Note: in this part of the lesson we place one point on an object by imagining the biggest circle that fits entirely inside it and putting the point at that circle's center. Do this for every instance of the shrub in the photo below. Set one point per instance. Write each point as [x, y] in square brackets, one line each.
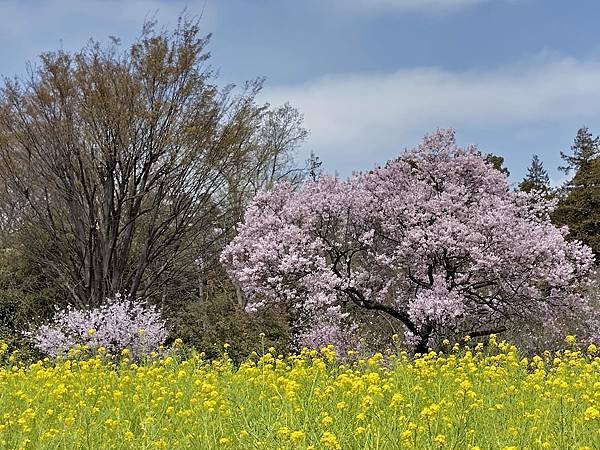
[213, 324]
[121, 323]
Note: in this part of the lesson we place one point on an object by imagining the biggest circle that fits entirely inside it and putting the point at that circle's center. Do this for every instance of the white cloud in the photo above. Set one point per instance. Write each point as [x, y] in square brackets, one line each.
[365, 116]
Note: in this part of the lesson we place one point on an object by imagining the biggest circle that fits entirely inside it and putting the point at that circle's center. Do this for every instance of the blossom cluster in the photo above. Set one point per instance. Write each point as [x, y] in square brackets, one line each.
[120, 323]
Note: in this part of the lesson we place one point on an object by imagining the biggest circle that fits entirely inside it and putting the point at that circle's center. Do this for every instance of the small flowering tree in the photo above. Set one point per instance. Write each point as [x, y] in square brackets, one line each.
[436, 240]
[121, 323]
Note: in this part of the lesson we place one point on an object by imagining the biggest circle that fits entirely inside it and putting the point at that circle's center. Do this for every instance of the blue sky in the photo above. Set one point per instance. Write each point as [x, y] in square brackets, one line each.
[516, 77]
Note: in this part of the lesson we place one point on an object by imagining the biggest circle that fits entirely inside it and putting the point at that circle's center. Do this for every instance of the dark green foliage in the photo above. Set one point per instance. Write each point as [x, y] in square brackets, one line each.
[26, 298]
[579, 209]
[579, 206]
[585, 148]
[537, 178]
[209, 324]
[497, 162]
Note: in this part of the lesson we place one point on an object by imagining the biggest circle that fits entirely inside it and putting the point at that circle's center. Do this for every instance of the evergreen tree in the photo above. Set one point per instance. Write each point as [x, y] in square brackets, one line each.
[537, 178]
[585, 148]
[579, 207]
[497, 163]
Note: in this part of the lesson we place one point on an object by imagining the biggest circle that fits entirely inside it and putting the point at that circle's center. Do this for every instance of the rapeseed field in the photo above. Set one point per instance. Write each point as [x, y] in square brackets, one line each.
[463, 397]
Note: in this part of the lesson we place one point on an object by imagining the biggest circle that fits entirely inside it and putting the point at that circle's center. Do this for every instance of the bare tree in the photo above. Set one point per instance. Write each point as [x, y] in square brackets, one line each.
[279, 133]
[271, 157]
[125, 159]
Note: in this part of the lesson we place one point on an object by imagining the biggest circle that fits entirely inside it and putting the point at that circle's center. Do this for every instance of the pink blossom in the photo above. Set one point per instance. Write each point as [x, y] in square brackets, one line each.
[118, 324]
[436, 239]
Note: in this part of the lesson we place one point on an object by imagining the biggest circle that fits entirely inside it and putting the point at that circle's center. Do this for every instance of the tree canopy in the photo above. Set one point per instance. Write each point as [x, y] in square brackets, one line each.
[435, 240]
[126, 167]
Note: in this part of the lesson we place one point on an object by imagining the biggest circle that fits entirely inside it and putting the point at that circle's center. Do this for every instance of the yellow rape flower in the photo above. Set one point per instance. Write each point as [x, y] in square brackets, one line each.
[591, 413]
[330, 440]
[570, 339]
[297, 436]
[440, 439]
[327, 420]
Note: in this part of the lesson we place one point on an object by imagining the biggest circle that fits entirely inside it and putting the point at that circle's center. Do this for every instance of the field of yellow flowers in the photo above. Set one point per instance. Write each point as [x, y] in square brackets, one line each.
[466, 397]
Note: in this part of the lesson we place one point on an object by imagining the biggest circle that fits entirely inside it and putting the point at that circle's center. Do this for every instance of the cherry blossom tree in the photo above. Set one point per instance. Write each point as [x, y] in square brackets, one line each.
[436, 240]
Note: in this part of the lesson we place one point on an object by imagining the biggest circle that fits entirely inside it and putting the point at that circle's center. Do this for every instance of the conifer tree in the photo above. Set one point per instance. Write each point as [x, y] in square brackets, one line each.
[579, 206]
[537, 178]
[497, 162]
[579, 209]
[584, 148]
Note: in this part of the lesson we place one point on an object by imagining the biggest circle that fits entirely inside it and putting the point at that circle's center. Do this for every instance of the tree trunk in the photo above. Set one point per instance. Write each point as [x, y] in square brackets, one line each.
[422, 346]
